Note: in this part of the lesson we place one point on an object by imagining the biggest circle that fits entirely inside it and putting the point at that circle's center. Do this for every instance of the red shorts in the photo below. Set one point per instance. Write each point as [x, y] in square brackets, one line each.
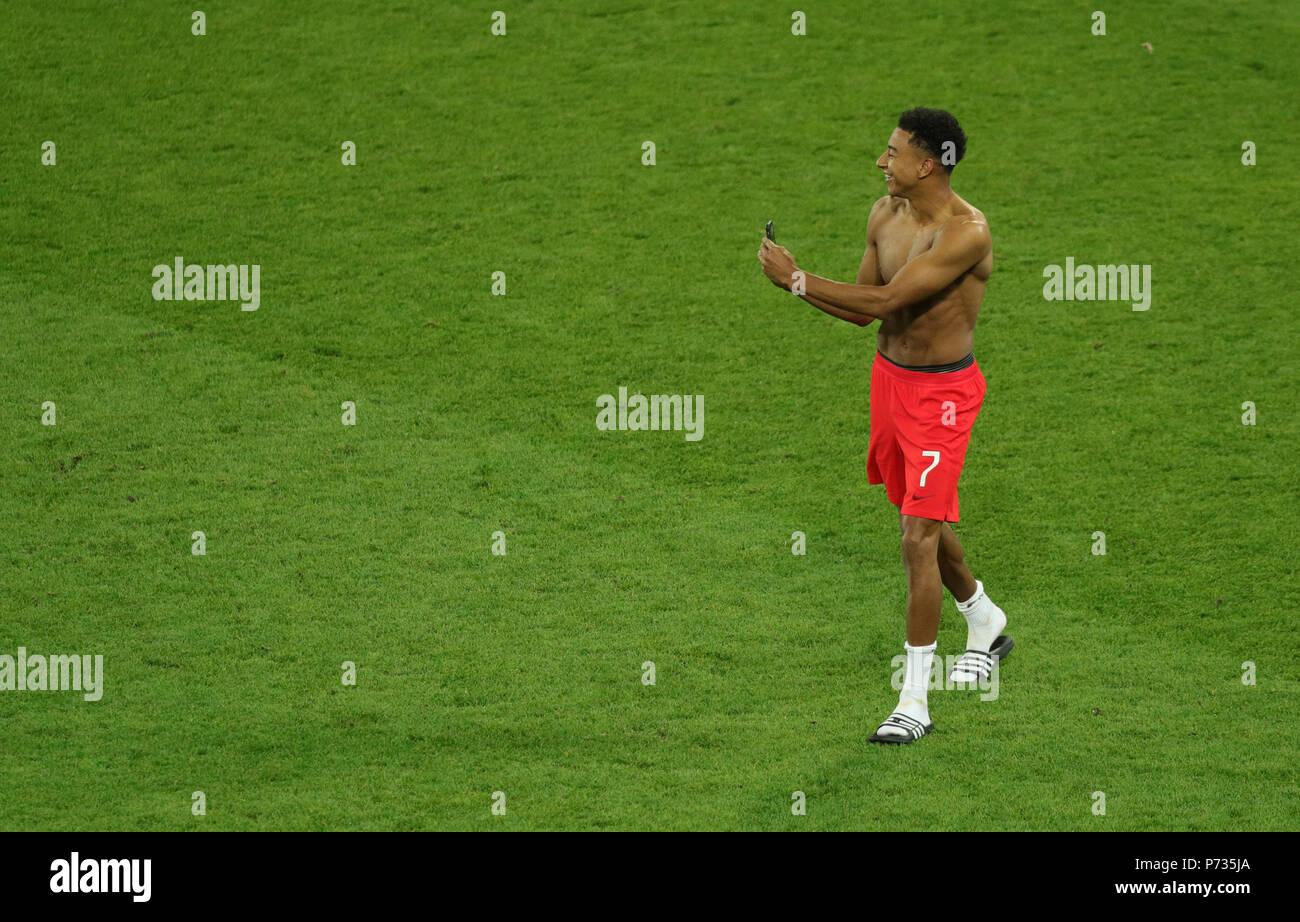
[920, 427]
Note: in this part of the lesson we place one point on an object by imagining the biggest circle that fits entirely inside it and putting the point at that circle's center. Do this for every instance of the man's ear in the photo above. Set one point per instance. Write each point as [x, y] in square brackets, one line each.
[926, 168]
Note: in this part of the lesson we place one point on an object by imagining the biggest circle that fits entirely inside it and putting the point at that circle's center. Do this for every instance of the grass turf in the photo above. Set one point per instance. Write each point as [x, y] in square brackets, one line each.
[522, 153]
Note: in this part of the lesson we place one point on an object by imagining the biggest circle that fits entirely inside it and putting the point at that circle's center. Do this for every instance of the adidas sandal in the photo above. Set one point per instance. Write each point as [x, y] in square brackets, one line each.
[977, 666]
[912, 729]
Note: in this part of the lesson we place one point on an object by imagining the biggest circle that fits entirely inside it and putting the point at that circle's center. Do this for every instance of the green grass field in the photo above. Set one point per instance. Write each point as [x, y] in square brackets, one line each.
[475, 413]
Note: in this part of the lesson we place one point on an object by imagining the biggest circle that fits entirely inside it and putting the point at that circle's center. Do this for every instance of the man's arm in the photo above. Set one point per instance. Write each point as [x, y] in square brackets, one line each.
[959, 247]
[861, 320]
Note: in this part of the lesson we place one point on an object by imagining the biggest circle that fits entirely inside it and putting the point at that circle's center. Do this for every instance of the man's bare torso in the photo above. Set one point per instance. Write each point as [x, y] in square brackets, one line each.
[941, 328]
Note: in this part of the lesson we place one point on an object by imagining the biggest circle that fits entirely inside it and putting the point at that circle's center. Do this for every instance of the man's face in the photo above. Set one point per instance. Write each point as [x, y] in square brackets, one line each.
[903, 164]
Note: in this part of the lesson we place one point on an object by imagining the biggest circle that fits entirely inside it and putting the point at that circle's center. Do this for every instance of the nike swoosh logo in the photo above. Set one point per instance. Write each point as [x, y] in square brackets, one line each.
[927, 496]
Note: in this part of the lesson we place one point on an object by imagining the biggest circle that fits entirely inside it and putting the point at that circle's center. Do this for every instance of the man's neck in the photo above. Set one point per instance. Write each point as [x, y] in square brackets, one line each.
[933, 204]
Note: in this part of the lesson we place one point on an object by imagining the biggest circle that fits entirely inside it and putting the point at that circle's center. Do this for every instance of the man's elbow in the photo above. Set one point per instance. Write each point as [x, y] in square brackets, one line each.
[880, 303]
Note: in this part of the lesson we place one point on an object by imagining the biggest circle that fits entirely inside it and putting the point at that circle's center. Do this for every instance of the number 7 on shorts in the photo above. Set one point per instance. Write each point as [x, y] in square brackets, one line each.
[931, 467]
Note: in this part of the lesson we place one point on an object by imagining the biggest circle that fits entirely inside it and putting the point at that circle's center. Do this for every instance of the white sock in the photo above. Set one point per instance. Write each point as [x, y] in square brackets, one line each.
[984, 620]
[912, 700]
[966, 607]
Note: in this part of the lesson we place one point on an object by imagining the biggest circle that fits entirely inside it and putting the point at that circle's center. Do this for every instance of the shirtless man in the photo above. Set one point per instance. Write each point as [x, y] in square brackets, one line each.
[923, 274]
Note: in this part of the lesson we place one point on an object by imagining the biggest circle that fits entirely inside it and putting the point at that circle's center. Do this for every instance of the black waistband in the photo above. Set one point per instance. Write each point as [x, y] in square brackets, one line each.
[958, 365]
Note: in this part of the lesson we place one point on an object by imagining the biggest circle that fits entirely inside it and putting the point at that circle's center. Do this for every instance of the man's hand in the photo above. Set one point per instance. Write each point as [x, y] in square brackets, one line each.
[778, 264]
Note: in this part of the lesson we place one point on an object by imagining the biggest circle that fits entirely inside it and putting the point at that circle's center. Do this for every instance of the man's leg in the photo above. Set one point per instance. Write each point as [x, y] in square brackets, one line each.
[924, 585]
[911, 719]
[953, 571]
[984, 620]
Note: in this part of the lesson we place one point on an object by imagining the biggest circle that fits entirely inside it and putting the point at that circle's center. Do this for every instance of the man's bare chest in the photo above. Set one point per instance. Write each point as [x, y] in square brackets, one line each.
[900, 242]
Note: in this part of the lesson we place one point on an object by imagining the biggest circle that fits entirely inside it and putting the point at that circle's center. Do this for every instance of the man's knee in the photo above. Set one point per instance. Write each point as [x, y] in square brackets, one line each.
[920, 537]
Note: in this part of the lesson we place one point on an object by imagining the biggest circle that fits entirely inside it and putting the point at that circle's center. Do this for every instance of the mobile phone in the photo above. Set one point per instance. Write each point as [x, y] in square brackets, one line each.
[770, 236]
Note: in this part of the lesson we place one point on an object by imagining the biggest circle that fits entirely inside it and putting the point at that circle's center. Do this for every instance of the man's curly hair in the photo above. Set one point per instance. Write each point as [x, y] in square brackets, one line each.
[930, 129]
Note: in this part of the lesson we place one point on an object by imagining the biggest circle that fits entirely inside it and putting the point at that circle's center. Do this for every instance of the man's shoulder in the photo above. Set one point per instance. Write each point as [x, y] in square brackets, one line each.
[966, 213]
[882, 210]
[966, 235]
[967, 223]
[887, 204]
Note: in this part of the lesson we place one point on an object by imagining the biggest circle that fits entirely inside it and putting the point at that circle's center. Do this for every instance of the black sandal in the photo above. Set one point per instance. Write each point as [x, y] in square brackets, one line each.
[979, 663]
[913, 729]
